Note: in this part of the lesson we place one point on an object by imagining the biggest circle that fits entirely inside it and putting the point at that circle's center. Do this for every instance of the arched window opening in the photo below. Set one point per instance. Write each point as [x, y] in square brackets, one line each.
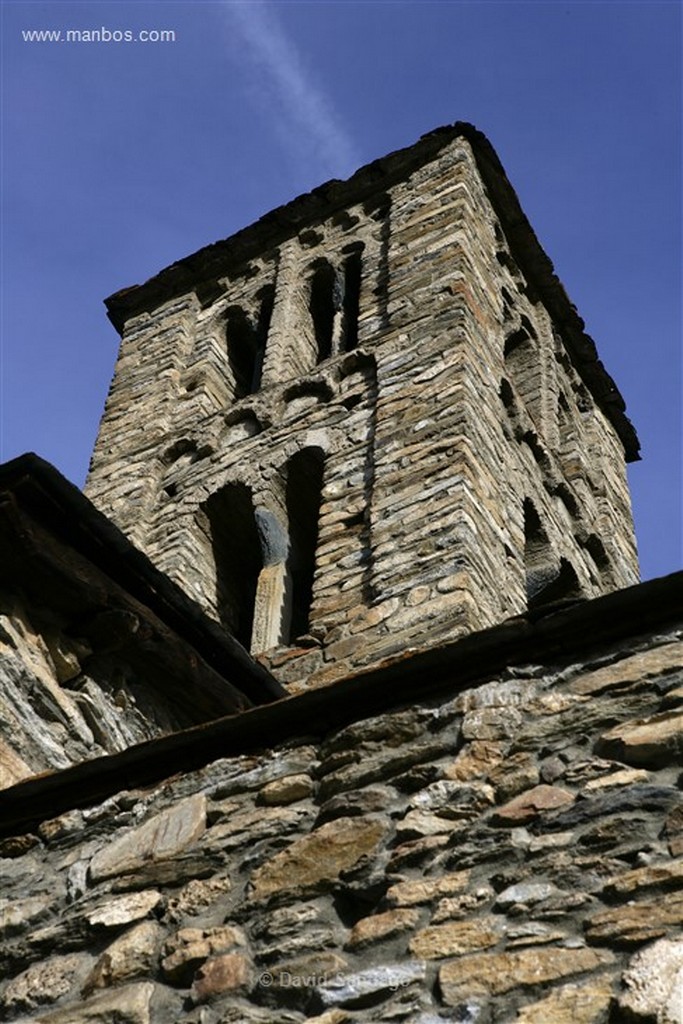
[237, 556]
[523, 367]
[303, 498]
[266, 297]
[244, 352]
[548, 578]
[247, 343]
[352, 278]
[538, 562]
[325, 300]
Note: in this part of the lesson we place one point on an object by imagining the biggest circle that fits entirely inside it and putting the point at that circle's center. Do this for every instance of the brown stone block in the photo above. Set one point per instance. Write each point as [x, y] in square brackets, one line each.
[190, 947]
[530, 804]
[584, 1003]
[475, 760]
[133, 955]
[314, 862]
[228, 973]
[497, 973]
[381, 926]
[653, 876]
[652, 742]
[673, 831]
[457, 937]
[635, 923]
[633, 669]
[127, 1004]
[287, 790]
[407, 894]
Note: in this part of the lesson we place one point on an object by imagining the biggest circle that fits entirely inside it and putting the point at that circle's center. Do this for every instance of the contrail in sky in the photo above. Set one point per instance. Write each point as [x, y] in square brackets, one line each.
[302, 115]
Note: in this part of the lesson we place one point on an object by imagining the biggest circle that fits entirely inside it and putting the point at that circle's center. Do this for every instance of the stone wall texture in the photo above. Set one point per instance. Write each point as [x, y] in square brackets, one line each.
[467, 467]
[509, 852]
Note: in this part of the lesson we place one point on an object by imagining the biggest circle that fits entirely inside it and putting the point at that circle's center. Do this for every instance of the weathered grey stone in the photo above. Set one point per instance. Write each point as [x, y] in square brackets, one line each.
[613, 802]
[124, 909]
[15, 915]
[350, 989]
[160, 838]
[668, 875]
[196, 897]
[631, 669]
[528, 893]
[370, 800]
[129, 1004]
[133, 955]
[654, 984]
[45, 982]
[248, 826]
[454, 800]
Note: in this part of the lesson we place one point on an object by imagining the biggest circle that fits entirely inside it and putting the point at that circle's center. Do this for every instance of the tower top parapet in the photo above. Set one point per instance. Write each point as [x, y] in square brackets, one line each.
[200, 269]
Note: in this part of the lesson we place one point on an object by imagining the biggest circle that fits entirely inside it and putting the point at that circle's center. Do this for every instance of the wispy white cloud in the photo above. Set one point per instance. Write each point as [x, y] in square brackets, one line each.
[301, 114]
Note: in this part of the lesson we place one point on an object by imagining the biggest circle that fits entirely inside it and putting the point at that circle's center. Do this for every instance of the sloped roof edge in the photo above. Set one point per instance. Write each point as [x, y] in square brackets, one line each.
[41, 490]
[213, 260]
[562, 634]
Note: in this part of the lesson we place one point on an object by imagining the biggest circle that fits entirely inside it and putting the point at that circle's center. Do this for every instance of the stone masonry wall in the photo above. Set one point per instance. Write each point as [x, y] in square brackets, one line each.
[466, 463]
[509, 853]
[60, 705]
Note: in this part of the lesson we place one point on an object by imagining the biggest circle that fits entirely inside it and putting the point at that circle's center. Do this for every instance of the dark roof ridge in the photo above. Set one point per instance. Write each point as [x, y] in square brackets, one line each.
[210, 261]
[589, 624]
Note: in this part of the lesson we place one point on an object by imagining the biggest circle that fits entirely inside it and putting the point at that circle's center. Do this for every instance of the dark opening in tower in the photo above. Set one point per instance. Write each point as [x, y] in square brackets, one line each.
[538, 560]
[238, 558]
[325, 300]
[246, 342]
[303, 497]
[351, 300]
[523, 366]
[549, 577]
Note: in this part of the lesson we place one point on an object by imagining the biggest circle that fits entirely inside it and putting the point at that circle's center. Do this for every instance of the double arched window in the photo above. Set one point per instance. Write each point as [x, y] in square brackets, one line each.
[264, 570]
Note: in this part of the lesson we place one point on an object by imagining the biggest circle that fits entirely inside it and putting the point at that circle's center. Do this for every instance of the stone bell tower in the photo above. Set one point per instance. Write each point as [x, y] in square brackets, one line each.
[371, 421]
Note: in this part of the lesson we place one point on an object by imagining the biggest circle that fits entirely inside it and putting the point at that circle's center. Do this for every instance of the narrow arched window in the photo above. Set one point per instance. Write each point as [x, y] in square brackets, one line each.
[303, 498]
[523, 366]
[549, 577]
[325, 300]
[246, 342]
[351, 300]
[538, 560]
[237, 557]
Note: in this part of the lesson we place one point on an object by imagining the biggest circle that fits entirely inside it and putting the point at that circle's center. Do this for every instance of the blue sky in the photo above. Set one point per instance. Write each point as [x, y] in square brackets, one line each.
[119, 158]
